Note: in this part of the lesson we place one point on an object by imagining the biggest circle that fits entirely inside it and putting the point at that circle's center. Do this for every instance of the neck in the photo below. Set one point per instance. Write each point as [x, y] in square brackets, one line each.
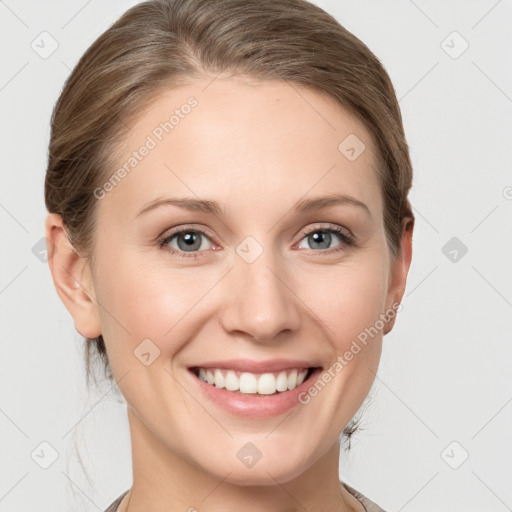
[164, 480]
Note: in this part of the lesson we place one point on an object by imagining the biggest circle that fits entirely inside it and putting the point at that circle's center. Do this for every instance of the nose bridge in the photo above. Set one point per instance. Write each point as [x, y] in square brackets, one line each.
[260, 303]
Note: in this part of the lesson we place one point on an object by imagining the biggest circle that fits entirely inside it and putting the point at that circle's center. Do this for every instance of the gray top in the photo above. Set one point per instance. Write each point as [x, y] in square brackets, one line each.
[369, 505]
[113, 506]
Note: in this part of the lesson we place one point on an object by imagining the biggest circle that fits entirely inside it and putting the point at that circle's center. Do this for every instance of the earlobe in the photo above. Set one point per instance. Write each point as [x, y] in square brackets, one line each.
[399, 272]
[72, 278]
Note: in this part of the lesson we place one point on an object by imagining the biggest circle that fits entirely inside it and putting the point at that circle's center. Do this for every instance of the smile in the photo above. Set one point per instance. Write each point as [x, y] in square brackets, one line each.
[267, 383]
[257, 389]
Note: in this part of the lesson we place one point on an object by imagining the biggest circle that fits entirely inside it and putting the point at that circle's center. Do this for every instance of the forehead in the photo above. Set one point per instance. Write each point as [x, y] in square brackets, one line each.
[254, 144]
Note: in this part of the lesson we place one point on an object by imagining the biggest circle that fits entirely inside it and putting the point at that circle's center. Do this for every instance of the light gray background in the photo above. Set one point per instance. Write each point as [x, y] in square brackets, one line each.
[446, 366]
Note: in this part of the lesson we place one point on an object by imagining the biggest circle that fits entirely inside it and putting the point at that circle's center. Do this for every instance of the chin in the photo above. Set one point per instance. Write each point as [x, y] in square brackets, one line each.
[278, 467]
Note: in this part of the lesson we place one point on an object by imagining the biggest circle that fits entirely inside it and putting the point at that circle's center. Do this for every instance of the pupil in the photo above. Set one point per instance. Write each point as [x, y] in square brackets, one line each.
[321, 238]
[190, 240]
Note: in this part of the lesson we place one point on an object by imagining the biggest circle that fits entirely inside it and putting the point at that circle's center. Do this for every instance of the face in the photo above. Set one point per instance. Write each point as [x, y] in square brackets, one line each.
[218, 258]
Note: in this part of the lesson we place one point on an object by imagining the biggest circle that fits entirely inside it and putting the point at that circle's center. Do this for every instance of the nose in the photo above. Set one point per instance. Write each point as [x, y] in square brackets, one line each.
[259, 300]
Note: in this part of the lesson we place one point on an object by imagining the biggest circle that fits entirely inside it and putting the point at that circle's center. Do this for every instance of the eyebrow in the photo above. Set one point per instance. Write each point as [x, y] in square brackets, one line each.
[212, 207]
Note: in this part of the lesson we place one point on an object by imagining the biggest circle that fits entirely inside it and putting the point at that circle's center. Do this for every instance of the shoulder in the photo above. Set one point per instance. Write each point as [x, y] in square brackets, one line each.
[369, 505]
[113, 506]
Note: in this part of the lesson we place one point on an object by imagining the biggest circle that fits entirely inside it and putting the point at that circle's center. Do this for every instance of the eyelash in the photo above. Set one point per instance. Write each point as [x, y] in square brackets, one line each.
[346, 239]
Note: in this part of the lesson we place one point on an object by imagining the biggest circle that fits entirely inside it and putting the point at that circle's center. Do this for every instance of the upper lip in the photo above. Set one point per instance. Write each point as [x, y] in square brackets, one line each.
[248, 365]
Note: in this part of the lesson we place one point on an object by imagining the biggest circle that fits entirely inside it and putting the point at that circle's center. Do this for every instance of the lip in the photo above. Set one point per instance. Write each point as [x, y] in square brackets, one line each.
[254, 405]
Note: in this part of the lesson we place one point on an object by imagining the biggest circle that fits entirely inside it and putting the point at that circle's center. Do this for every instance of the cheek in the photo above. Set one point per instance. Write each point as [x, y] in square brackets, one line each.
[153, 302]
[346, 299]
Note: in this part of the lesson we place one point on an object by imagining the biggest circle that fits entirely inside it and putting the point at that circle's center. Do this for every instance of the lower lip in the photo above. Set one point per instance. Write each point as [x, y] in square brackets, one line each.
[253, 404]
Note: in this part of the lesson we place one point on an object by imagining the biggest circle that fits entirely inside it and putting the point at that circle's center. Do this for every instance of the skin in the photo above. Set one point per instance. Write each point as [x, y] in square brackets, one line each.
[256, 148]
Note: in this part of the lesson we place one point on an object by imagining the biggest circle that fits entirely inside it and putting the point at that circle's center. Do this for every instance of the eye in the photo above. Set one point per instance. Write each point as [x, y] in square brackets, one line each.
[185, 240]
[189, 243]
[321, 238]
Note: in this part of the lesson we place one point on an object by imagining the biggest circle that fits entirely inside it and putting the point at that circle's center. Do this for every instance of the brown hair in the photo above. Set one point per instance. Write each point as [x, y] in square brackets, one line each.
[159, 44]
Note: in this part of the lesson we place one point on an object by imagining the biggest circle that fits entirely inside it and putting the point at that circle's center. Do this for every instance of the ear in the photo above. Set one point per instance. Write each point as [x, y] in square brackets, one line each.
[72, 278]
[399, 270]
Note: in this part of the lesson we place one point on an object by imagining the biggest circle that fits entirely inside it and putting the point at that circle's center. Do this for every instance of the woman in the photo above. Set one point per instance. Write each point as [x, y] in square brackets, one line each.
[230, 230]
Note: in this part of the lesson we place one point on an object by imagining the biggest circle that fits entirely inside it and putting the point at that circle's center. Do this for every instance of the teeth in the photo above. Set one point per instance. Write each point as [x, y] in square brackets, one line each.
[248, 383]
[231, 381]
[292, 380]
[252, 383]
[282, 382]
[267, 384]
[219, 379]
